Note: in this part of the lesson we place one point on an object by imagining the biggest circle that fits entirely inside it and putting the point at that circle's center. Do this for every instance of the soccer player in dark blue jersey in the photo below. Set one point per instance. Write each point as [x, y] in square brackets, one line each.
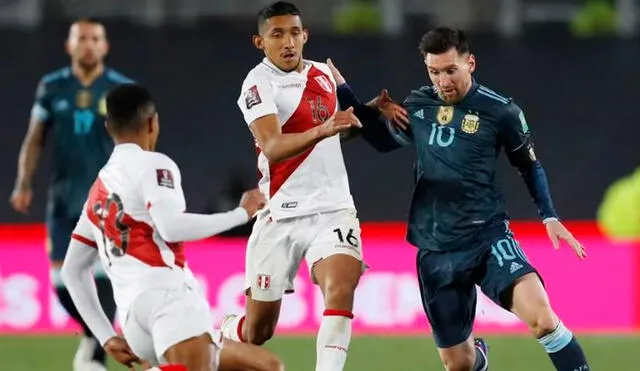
[457, 217]
[70, 103]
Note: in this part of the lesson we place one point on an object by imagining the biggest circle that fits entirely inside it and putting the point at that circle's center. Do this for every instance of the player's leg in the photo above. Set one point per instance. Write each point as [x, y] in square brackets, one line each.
[512, 282]
[271, 265]
[236, 356]
[449, 300]
[335, 258]
[59, 231]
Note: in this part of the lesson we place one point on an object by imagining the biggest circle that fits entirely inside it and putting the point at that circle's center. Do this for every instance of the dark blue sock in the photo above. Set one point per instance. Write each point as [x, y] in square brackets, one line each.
[564, 350]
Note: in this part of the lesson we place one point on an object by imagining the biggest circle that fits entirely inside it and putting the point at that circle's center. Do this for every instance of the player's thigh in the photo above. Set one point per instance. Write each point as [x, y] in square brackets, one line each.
[335, 255]
[448, 296]
[59, 230]
[183, 315]
[505, 263]
[137, 330]
[271, 260]
[236, 356]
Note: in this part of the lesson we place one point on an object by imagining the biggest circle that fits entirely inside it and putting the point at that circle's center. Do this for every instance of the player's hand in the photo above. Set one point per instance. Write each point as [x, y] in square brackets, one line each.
[21, 200]
[252, 201]
[390, 109]
[336, 73]
[557, 232]
[118, 348]
[340, 121]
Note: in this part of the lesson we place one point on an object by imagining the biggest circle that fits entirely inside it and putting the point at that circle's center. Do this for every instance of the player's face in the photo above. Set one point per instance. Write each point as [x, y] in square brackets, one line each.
[451, 73]
[282, 38]
[87, 44]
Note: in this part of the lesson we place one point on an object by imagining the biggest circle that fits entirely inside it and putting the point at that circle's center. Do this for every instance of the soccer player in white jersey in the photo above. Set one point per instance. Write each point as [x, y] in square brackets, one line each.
[290, 106]
[134, 220]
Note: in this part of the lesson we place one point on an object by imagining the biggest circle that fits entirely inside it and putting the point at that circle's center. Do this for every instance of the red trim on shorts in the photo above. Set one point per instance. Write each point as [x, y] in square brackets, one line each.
[173, 368]
[84, 240]
[240, 324]
[336, 312]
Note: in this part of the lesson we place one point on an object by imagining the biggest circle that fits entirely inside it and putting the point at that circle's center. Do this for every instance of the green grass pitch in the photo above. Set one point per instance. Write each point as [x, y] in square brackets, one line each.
[512, 353]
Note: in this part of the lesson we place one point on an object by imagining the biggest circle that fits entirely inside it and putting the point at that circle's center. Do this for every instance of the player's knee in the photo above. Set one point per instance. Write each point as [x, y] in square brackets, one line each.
[544, 322]
[339, 294]
[259, 335]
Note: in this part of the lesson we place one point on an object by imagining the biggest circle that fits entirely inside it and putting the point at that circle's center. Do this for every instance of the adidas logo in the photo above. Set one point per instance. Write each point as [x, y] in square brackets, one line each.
[515, 266]
[419, 114]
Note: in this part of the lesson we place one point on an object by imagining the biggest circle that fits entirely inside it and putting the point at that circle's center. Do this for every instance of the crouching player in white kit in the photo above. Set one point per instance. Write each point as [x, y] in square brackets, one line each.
[290, 106]
[134, 220]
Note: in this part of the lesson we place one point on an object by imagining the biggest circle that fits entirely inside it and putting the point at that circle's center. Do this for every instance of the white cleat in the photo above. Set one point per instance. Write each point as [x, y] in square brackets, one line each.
[226, 325]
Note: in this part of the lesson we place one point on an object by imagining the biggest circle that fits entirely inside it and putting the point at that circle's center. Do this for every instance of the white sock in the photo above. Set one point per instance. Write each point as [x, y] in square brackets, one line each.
[233, 329]
[333, 340]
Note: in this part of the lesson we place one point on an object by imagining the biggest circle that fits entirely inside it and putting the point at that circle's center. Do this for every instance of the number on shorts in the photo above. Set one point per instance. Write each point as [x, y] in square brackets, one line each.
[115, 233]
[507, 249]
[351, 239]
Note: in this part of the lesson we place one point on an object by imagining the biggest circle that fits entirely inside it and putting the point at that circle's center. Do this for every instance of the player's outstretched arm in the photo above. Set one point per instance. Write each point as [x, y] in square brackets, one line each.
[161, 189]
[30, 150]
[516, 138]
[78, 278]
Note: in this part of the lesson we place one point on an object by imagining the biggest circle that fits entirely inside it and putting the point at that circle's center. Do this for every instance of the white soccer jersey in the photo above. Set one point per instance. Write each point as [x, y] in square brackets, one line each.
[316, 180]
[133, 209]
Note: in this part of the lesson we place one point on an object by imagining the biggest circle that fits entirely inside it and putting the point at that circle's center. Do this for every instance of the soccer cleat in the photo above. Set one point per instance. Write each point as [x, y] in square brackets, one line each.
[226, 325]
[483, 347]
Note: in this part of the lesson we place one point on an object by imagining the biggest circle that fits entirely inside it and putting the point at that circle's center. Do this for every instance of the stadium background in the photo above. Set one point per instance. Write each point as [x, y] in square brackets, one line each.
[571, 66]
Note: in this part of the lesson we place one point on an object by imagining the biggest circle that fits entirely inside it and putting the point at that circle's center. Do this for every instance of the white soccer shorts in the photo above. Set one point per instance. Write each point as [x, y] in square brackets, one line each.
[276, 248]
[161, 318]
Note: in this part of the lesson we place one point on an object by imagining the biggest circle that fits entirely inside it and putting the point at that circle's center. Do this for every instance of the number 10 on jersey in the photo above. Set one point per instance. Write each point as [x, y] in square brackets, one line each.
[115, 233]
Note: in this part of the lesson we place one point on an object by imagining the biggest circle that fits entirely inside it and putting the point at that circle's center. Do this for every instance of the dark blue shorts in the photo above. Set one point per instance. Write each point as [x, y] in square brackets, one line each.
[59, 229]
[448, 278]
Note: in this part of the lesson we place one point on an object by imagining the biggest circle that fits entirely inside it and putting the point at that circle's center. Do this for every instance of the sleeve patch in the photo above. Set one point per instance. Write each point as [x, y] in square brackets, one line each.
[252, 97]
[165, 178]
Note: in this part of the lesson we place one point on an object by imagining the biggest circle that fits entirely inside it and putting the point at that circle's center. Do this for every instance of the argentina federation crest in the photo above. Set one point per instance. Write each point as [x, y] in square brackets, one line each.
[470, 124]
[83, 98]
[102, 106]
[445, 115]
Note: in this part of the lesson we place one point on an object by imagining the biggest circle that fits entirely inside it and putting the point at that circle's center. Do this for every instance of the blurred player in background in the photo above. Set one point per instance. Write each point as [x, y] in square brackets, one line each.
[134, 220]
[457, 216]
[70, 102]
[291, 108]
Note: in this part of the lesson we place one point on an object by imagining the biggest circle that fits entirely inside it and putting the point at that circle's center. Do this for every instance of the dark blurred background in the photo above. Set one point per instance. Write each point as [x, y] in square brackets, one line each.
[571, 65]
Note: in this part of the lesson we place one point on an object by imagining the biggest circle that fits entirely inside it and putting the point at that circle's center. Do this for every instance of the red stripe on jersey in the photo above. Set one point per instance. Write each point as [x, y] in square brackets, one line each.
[317, 104]
[84, 240]
[135, 238]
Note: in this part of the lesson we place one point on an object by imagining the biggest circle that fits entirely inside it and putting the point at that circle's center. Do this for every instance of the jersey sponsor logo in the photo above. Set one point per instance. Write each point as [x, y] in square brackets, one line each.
[83, 98]
[263, 281]
[165, 178]
[61, 105]
[252, 97]
[289, 205]
[470, 124]
[445, 115]
[324, 83]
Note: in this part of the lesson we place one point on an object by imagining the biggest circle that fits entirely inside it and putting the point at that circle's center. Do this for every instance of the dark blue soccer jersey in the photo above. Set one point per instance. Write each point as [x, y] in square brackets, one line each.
[75, 115]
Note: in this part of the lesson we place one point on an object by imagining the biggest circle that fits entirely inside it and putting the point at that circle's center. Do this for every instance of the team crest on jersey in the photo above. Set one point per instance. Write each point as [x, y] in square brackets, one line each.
[83, 98]
[264, 281]
[165, 178]
[470, 124]
[102, 106]
[252, 97]
[445, 115]
[324, 83]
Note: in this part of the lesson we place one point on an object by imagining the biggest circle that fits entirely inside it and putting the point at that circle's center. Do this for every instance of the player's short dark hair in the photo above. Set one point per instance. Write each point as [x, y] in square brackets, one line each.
[442, 39]
[276, 9]
[128, 108]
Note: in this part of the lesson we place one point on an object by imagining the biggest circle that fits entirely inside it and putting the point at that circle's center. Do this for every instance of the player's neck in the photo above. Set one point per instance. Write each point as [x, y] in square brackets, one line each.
[85, 76]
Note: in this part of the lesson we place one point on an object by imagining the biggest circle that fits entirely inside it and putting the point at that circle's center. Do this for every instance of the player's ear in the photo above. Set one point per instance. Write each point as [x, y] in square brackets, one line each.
[305, 35]
[258, 42]
[471, 61]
